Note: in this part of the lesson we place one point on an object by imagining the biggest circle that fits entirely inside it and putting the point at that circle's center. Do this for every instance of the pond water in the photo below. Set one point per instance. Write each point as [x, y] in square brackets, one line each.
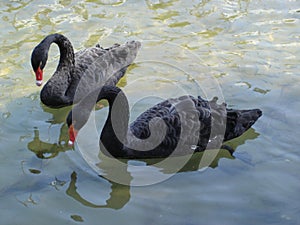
[245, 52]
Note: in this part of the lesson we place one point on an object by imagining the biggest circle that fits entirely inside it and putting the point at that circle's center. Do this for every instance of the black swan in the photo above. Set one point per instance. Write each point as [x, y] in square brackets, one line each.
[79, 73]
[185, 124]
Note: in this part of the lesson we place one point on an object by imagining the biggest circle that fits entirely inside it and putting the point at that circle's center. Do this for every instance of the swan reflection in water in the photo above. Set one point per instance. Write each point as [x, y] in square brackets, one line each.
[119, 193]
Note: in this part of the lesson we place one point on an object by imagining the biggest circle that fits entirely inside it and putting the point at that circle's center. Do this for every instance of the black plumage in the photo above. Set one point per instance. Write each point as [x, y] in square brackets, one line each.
[79, 73]
[177, 126]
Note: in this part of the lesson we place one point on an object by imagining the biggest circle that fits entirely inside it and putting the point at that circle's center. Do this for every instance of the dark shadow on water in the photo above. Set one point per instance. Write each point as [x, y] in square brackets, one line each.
[45, 150]
[58, 115]
[119, 193]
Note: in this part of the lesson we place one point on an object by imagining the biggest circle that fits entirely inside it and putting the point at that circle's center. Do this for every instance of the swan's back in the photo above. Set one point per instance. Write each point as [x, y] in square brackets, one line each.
[186, 119]
[98, 66]
[189, 124]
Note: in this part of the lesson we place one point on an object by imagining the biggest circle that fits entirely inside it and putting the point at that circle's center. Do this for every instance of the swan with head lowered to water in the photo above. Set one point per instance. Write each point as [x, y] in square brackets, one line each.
[176, 126]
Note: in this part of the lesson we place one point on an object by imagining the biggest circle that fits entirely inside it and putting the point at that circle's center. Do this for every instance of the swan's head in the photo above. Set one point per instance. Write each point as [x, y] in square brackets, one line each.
[72, 130]
[72, 135]
[39, 58]
[75, 124]
[80, 113]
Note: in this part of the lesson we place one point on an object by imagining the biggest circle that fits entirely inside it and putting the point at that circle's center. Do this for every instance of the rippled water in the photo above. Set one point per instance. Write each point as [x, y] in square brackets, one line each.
[244, 52]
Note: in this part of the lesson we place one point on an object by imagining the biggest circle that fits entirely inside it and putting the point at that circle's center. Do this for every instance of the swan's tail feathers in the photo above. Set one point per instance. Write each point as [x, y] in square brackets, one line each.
[130, 50]
[239, 121]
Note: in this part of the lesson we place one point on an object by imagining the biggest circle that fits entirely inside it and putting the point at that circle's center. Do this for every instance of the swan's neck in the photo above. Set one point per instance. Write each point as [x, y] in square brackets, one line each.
[114, 132]
[66, 52]
[54, 91]
[65, 49]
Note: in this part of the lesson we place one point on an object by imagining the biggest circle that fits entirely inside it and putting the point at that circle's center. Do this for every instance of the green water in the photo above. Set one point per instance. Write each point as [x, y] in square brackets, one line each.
[244, 52]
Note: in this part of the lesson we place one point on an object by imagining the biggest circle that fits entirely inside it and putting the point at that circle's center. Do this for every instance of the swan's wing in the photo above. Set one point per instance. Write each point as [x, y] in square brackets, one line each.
[85, 58]
[98, 66]
[192, 125]
[185, 118]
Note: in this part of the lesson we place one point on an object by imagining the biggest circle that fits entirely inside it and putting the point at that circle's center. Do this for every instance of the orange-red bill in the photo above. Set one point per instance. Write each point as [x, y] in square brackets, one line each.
[72, 134]
[39, 76]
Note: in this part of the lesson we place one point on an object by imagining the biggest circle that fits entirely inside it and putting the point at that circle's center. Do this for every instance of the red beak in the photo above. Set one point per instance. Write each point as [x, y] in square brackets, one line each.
[72, 135]
[39, 76]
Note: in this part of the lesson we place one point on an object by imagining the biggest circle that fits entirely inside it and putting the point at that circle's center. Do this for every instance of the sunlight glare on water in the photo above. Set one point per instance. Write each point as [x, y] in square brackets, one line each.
[244, 52]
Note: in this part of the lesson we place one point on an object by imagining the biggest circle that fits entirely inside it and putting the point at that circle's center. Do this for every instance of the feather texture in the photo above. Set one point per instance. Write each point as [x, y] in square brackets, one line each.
[80, 73]
[176, 126]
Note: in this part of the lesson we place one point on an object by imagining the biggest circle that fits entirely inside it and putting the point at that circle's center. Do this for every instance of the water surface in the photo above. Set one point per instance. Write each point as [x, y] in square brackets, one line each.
[245, 52]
